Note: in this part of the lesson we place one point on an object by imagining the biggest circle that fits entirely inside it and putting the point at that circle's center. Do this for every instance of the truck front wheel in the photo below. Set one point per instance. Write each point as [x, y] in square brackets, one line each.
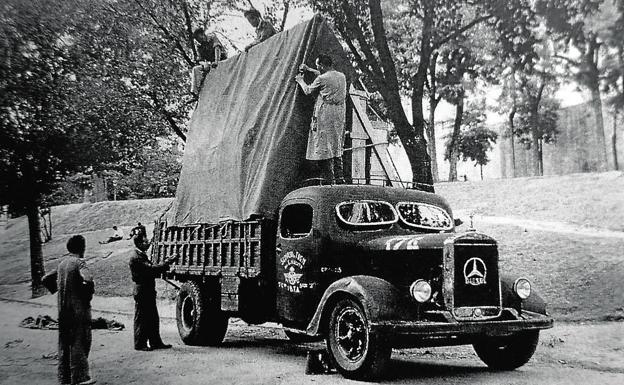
[199, 316]
[356, 351]
[507, 353]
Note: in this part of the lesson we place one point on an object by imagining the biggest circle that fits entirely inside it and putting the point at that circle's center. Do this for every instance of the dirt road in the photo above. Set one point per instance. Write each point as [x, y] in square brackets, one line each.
[568, 354]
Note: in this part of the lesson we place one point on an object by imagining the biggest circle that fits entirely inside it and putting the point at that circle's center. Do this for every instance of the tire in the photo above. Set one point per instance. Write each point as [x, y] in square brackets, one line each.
[507, 353]
[356, 351]
[300, 338]
[199, 316]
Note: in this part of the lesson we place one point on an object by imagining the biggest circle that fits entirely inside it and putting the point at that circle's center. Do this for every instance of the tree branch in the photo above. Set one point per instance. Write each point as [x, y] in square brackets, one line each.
[285, 15]
[463, 29]
[167, 34]
[381, 44]
[362, 64]
[166, 114]
[567, 59]
[355, 27]
[189, 27]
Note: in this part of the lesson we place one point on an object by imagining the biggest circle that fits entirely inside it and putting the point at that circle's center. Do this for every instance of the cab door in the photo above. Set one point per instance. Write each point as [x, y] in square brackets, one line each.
[297, 257]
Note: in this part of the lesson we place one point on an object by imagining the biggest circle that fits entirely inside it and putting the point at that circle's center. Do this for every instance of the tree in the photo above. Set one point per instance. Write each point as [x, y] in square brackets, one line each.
[536, 116]
[614, 69]
[57, 113]
[432, 24]
[579, 26]
[474, 139]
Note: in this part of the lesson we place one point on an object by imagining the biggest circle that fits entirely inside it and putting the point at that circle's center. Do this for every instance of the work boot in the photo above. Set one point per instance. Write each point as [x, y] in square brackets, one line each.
[87, 382]
[144, 349]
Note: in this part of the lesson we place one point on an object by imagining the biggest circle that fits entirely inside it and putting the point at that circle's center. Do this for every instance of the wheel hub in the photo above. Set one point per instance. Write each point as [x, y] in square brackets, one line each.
[188, 313]
[351, 334]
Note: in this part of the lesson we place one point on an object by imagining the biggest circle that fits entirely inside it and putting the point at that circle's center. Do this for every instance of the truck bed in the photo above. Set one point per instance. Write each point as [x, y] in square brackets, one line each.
[229, 248]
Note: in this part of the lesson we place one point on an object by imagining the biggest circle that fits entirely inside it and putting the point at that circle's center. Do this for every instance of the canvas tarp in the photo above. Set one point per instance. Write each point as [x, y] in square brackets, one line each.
[247, 137]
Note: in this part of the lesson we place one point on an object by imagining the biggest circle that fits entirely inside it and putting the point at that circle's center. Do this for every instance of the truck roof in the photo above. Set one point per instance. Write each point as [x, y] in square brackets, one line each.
[334, 194]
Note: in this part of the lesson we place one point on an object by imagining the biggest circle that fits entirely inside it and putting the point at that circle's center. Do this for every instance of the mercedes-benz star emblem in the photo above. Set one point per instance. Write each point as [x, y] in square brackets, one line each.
[475, 272]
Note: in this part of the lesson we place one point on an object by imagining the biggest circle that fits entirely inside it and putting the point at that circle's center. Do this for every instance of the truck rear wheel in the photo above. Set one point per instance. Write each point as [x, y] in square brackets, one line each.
[507, 353]
[356, 351]
[199, 316]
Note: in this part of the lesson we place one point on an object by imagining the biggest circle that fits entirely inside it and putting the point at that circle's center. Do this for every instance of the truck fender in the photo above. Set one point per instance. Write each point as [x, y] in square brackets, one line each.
[534, 303]
[379, 298]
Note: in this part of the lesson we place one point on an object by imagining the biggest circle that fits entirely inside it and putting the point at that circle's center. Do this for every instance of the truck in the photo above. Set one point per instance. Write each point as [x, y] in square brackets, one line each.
[366, 266]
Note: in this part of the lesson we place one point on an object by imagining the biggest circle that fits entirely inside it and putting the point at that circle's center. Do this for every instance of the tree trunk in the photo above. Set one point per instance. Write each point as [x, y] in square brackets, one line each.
[535, 152]
[600, 134]
[589, 67]
[481, 170]
[512, 137]
[383, 72]
[37, 269]
[431, 144]
[616, 166]
[512, 115]
[433, 104]
[459, 114]
[421, 163]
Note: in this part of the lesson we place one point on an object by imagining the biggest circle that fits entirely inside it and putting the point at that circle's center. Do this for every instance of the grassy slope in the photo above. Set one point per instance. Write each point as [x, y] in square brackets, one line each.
[595, 200]
[580, 277]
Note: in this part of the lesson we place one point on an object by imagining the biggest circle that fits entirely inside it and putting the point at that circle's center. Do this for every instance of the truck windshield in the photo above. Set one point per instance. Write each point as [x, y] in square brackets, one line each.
[366, 213]
[424, 216]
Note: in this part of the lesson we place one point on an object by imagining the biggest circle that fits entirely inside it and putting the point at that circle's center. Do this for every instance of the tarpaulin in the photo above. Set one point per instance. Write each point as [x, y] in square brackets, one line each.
[248, 134]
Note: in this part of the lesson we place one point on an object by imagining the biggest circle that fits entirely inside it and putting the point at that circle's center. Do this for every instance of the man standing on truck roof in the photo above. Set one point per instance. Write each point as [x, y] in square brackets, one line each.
[326, 138]
[264, 29]
[146, 321]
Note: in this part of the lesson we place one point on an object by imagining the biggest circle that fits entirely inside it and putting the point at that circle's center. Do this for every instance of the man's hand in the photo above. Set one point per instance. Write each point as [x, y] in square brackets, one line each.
[299, 78]
[304, 67]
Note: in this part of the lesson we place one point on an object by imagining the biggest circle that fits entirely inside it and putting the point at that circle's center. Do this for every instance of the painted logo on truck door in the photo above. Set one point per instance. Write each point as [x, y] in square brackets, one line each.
[293, 264]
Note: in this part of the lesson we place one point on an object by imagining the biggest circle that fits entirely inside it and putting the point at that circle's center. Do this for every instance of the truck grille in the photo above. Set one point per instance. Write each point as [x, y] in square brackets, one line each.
[472, 280]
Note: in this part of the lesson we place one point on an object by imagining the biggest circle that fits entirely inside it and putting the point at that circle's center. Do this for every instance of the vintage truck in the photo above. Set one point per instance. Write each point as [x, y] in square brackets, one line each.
[366, 267]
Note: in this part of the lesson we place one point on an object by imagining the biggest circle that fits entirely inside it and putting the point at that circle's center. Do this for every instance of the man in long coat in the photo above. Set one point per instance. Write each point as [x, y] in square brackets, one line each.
[75, 290]
[146, 320]
[326, 137]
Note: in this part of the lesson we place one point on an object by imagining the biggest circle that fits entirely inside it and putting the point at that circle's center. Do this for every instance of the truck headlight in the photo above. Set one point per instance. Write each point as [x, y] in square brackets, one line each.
[522, 288]
[421, 290]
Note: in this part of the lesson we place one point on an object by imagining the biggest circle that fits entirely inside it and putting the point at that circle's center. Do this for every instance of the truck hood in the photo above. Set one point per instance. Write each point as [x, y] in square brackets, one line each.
[421, 241]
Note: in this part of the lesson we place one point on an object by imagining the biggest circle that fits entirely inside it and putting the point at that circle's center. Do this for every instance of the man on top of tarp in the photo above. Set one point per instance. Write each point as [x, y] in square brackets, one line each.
[209, 50]
[264, 29]
[326, 137]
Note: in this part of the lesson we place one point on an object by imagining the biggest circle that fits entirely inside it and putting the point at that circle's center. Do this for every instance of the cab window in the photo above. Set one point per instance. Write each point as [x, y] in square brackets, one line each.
[424, 216]
[296, 221]
[366, 213]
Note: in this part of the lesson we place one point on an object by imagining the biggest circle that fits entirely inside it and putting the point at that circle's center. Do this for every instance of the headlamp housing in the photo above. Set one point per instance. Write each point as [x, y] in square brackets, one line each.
[420, 290]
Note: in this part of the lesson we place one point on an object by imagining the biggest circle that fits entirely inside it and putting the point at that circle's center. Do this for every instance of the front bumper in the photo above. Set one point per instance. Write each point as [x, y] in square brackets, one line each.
[425, 333]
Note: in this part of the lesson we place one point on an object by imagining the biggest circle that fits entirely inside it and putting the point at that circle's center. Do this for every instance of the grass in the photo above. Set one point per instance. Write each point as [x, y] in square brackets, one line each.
[580, 277]
[595, 199]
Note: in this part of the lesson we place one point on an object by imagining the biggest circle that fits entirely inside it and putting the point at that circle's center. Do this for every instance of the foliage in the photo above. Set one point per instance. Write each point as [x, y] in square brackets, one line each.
[154, 175]
[614, 61]
[57, 115]
[475, 139]
[536, 116]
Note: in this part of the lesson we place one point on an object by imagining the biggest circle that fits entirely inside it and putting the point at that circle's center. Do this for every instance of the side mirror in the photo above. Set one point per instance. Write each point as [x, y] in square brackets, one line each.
[458, 222]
